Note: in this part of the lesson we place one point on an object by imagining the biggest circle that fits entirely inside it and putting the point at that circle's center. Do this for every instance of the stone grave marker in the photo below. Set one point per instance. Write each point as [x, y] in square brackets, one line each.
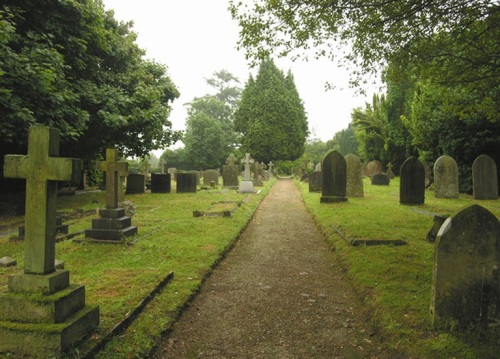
[315, 181]
[428, 173]
[354, 176]
[381, 179]
[136, 183]
[173, 173]
[24, 318]
[446, 177]
[373, 168]
[270, 167]
[412, 183]
[334, 178]
[390, 173]
[484, 178]
[466, 285]
[160, 183]
[113, 224]
[246, 185]
[256, 171]
[210, 176]
[230, 173]
[186, 182]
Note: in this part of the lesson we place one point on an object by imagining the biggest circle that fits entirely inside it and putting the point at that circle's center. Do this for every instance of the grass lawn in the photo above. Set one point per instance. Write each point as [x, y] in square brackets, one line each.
[395, 281]
[119, 277]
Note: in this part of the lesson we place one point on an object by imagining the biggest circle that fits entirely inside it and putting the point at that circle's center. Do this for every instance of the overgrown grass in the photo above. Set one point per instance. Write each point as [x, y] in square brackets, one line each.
[395, 281]
[118, 277]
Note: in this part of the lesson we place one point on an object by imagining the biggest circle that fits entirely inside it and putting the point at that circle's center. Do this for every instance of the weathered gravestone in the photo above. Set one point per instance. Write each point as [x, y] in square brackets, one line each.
[354, 167]
[186, 182]
[380, 179]
[113, 224]
[41, 314]
[466, 282]
[257, 179]
[446, 177]
[334, 178]
[160, 183]
[373, 168]
[246, 185]
[210, 176]
[412, 182]
[270, 167]
[136, 183]
[484, 178]
[230, 173]
[315, 180]
[390, 173]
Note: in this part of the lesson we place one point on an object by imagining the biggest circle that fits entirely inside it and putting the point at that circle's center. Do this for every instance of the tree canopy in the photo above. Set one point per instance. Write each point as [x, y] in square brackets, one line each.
[271, 116]
[70, 65]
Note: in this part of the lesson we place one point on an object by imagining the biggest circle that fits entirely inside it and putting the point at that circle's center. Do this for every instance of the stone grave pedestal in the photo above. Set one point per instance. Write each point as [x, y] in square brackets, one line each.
[113, 225]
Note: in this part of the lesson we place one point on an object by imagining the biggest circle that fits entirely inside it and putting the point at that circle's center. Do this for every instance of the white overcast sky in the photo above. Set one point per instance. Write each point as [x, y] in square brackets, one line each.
[195, 38]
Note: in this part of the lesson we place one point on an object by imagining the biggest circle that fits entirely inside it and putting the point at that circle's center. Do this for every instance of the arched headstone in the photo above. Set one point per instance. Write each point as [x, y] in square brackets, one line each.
[412, 182]
[484, 178]
[446, 177]
[334, 184]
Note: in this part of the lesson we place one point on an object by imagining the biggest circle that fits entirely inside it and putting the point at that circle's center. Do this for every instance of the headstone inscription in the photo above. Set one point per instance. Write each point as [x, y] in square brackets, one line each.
[186, 182]
[113, 224]
[246, 185]
[354, 176]
[160, 183]
[24, 318]
[465, 285]
[334, 178]
[412, 185]
[446, 177]
[484, 178]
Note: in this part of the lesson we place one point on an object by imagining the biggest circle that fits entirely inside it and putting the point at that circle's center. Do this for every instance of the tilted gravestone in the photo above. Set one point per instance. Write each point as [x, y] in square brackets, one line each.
[210, 176]
[28, 325]
[354, 176]
[412, 182]
[446, 177]
[186, 182]
[160, 183]
[484, 178]
[381, 179]
[334, 178]
[466, 283]
[113, 225]
[373, 168]
[246, 186]
[136, 183]
[315, 180]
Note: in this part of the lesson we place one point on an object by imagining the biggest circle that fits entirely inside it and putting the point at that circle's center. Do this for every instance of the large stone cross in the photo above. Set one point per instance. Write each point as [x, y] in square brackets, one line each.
[114, 169]
[42, 169]
[247, 160]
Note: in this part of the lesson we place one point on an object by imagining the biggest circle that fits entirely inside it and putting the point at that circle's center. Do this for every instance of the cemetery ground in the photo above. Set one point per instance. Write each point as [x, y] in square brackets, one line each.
[392, 282]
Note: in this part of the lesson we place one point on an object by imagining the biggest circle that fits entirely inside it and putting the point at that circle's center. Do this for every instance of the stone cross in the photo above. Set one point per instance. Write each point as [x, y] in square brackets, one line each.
[231, 160]
[42, 169]
[270, 166]
[114, 169]
[247, 160]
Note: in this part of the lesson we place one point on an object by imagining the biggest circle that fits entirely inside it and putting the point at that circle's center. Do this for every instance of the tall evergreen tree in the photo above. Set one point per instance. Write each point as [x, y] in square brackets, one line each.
[271, 116]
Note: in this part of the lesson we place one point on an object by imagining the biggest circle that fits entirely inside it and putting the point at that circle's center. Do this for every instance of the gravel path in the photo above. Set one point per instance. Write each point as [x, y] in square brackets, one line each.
[278, 294]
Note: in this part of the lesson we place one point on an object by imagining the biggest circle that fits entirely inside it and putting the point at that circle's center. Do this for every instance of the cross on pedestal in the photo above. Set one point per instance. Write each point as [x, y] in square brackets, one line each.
[247, 160]
[42, 169]
[114, 169]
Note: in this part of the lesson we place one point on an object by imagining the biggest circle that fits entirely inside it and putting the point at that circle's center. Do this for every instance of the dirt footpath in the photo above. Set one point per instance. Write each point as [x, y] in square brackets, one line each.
[278, 294]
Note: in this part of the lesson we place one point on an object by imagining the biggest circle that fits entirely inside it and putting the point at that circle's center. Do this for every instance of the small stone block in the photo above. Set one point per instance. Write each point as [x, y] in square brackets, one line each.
[112, 212]
[7, 262]
[37, 283]
[111, 223]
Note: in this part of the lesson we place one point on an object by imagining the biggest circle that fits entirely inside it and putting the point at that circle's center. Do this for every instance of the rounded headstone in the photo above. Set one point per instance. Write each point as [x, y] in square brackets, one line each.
[484, 178]
[334, 180]
[446, 177]
[412, 182]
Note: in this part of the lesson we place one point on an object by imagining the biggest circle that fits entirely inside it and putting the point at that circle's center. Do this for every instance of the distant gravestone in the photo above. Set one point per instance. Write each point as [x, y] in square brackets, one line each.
[136, 183]
[465, 285]
[428, 173]
[390, 172]
[317, 168]
[354, 176]
[446, 177]
[381, 179]
[373, 168]
[210, 176]
[41, 296]
[315, 181]
[172, 171]
[484, 178]
[270, 167]
[246, 186]
[160, 183]
[412, 182]
[334, 178]
[230, 173]
[186, 183]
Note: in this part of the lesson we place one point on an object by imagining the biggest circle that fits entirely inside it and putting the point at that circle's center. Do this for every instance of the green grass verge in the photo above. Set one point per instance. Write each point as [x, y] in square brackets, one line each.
[118, 277]
[394, 282]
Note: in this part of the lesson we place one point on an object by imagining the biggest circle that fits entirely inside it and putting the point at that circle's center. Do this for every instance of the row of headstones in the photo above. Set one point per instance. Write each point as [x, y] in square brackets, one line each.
[342, 177]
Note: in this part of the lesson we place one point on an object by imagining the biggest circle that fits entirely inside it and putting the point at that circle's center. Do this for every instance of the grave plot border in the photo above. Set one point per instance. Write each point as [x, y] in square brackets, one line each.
[225, 213]
[354, 242]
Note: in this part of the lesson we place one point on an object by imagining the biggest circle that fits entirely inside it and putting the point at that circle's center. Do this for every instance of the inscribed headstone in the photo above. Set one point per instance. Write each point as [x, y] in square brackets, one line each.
[334, 184]
[136, 183]
[484, 178]
[354, 176]
[446, 177]
[160, 183]
[186, 182]
[466, 284]
[210, 176]
[412, 182]
[230, 173]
